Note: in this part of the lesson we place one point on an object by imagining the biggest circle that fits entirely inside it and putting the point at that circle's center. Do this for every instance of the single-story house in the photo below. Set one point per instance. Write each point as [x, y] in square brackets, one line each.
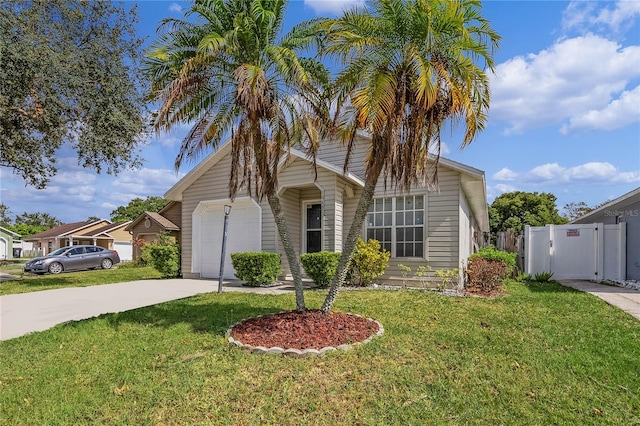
[149, 225]
[440, 228]
[7, 238]
[623, 209]
[101, 233]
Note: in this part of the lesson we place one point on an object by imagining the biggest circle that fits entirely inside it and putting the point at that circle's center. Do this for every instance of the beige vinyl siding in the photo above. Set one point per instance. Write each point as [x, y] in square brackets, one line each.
[334, 152]
[441, 227]
[465, 230]
[212, 185]
[290, 202]
[174, 214]
[120, 235]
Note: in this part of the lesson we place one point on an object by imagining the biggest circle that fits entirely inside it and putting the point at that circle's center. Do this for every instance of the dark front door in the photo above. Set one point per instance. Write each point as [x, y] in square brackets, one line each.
[314, 228]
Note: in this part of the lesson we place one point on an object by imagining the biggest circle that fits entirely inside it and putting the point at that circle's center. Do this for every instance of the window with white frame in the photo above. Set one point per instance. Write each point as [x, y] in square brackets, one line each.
[398, 223]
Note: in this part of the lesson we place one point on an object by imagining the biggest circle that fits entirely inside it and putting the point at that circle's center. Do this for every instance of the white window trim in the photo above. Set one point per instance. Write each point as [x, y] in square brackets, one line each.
[393, 227]
[303, 212]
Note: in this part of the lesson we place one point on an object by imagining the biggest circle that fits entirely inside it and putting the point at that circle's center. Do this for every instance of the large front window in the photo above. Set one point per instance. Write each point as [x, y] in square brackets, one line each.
[398, 223]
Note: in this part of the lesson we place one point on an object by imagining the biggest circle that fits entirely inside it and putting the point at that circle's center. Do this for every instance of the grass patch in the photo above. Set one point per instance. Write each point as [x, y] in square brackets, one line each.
[30, 282]
[543, 354]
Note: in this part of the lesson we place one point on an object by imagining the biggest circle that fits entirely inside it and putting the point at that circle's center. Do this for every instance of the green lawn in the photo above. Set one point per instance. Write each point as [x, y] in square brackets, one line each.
[542, 355]
[30, 282]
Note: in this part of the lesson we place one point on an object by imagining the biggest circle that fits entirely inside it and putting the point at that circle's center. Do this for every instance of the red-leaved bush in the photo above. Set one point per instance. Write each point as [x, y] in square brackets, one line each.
[486, 276]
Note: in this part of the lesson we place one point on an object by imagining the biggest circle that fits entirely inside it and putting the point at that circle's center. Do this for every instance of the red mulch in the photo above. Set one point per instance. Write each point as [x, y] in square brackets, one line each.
[310, 329]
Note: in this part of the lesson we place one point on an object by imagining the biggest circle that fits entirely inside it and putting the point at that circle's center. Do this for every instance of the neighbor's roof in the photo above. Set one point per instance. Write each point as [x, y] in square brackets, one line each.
[156, 217]
[105, 229]
[628, 198]
[7, 231]
[63, 230]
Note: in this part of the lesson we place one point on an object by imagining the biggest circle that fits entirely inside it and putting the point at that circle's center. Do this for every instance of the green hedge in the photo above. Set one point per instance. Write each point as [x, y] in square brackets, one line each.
[257, 268]
[490, 253]
[320, 266]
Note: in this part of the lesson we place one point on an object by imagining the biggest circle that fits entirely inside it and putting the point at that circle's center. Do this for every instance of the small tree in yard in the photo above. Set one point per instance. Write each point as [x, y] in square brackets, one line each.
[163, 255]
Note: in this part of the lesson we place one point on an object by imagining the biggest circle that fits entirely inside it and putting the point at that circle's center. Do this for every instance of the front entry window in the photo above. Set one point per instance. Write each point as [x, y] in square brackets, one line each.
[313, 227]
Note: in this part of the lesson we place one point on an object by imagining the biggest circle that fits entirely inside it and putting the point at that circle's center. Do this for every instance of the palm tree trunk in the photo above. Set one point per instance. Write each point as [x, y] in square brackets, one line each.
[292, 257]
[350, 244]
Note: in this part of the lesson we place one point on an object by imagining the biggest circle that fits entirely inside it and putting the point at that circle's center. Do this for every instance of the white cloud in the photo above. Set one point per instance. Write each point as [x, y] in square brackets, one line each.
[584, 15]
[80, 193]
[146, 182]
[619, 113]
[594, 172]
[565, 82]
[496, 190]
[175, 7]
[109, 206]
[72, 178]
[332, 6]
[505, 174]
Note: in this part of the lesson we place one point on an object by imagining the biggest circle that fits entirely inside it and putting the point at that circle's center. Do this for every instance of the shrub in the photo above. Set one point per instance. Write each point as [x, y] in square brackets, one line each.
[490, 253]
[257, 268]
[543, 277]
[368, 262]
[486, 276]
[522, 276]
[163, 255]
[320, 266]
[447, 278]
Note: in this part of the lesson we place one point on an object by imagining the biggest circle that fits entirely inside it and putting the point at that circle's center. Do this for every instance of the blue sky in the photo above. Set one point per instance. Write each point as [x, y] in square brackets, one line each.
[564, 118]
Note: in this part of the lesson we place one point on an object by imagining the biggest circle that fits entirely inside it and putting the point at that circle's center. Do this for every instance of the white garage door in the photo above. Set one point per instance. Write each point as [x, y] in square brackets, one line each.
[243, 234]
[3, 249]
[125, 250]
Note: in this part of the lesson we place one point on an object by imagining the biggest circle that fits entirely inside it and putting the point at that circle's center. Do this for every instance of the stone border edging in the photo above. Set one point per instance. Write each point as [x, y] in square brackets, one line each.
[301, 353]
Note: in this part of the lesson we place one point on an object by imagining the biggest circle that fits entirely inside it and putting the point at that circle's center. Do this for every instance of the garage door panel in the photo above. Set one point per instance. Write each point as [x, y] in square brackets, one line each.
[243, 234]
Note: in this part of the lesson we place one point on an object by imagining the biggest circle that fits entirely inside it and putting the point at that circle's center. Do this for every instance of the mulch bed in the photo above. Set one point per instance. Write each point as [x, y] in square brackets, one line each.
[310, 329]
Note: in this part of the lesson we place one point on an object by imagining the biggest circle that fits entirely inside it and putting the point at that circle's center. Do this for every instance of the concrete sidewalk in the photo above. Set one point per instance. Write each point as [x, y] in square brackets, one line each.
[28, 312]
[626, 299]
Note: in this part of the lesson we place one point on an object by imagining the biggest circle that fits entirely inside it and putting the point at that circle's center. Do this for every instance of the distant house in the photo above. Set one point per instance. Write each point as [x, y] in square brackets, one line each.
[440, 228]
[7, 238]
[149, 225]
[101, 233]
[623, 209]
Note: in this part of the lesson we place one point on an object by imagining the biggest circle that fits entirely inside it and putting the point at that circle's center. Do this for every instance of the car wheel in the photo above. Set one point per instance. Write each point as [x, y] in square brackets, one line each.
[55, 268]
[106, 264]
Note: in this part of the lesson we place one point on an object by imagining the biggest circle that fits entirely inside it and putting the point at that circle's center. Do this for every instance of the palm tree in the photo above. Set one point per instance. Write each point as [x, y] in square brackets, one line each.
[410, 66]
[224, 69]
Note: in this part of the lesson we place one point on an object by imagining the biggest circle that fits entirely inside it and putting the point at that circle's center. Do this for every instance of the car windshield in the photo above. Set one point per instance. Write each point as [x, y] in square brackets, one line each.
[59, 251]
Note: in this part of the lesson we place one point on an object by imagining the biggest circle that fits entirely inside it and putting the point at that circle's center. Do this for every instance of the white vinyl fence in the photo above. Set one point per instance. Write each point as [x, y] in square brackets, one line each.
[587, 251]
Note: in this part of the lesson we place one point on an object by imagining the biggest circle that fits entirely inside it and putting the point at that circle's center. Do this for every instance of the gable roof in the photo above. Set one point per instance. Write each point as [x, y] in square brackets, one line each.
[105, 229]
[628, 198]
[156, 217]
[473, 180]
[63, 230]
[7, 231]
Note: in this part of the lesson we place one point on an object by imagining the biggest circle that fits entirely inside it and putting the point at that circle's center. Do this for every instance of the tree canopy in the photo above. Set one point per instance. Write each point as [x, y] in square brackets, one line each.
[517, 209]
[229, 70]
[409, 67]
[68, 77]
[136, 207]
[574, 210]
[27, 224]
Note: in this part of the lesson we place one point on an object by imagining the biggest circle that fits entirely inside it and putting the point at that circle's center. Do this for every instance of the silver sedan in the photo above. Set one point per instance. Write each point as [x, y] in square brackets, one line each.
[73, 258]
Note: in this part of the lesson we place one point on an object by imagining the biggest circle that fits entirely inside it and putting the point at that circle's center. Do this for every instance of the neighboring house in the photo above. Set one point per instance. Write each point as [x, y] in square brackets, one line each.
[623, 209]
[149, 225]
[7, 238]
[101, 233]
[440, 229]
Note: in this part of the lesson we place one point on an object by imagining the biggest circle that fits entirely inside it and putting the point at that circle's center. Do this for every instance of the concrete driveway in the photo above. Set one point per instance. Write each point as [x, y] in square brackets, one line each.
[28, 312]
